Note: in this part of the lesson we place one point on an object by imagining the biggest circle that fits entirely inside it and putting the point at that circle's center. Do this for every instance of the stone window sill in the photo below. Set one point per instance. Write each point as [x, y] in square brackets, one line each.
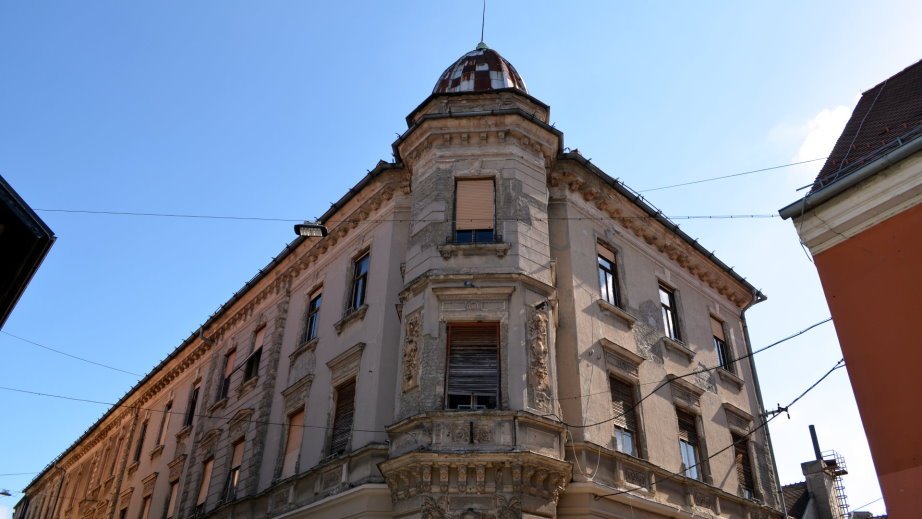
[220, 404]
[730, 378]
[679, 348]
[133, 467]
[625, 317]
[352, 315]
[181, 435]
[474, 249]
[156, 452]
[247, 386]
[305, 346]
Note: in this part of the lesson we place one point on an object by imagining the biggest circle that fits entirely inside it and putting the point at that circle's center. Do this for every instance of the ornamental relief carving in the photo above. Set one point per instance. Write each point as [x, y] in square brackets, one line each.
[411, 352]
[539, 378]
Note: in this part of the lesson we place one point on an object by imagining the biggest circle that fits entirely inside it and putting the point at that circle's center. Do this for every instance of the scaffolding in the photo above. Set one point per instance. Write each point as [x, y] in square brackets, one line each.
[835, 467]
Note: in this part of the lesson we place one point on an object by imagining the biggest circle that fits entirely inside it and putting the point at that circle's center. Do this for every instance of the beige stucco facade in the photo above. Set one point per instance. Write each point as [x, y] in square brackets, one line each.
[545, 449]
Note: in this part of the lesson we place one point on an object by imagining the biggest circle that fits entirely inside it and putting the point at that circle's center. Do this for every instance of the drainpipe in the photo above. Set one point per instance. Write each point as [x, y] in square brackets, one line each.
[57, 496]
[757, 297]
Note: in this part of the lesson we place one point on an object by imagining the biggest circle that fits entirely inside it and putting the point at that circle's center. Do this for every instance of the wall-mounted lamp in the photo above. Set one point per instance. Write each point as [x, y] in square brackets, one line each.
[5, 492]
[310, 230]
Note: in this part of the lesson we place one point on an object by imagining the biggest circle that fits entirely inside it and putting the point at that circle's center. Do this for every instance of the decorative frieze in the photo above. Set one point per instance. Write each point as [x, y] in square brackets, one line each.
[539, 377]
[411, 351]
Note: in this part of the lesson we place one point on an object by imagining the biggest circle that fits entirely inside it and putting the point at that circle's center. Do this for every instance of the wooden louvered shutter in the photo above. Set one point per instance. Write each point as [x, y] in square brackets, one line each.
[688, 431]
[622, 404]
[474, 204]
[342, 421]
[293, 443]
[473, 360]
[743, 466]
[717, 328]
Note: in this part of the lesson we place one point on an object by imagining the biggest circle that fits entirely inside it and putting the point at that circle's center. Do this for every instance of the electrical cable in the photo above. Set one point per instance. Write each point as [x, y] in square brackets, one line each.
[730, 176]
[69, 355]
[765, 422]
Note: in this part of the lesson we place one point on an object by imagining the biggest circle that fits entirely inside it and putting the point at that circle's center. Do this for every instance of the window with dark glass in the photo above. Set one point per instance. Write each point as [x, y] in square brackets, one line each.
[190, 408]
[252, 366]
[474, 210]
[342, 418]
[313, 314]
[140, 445]
[624, 416]
[743, 466]
[170, 509]
[229, 361]
[165, 423]
[608, 277]
[668, 307]
[145, 508]
[233, 475]
[688, 444]
[724, 358]
[359, 281]
[473, 366]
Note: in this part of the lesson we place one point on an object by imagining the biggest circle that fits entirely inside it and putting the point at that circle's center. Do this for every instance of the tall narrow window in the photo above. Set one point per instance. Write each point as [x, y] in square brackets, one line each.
[203, 487]
[342, 418]
[190, 408]
[171, 501]
[112, 462]
[313, 313]
[688, 444]
[474, 211]
[165, 423]
[293, 443]
[140, 446]
[473, 366]
[608, 277]
[724, 358]
[145, 508]
[625, 416]
[743, 466]
[359, 281]
[252, 366]
[233, 475]
[229, 360]
[670, 319]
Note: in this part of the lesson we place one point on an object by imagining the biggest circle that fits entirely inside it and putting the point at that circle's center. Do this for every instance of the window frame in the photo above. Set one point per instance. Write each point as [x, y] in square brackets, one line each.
[139, 447]
[230, 359]
[204, 487]
[629, 415]
[292, 449]
[690, 449]
[473, 235]
[669, 312]
[358, 289]
[312, 316]
[251, 368]
[232, 482]
[742, 462]
[610, 292]
[341, 442]
[169, 508]
[725, 359]
[189, 418]
[474, 404]
[165, 423]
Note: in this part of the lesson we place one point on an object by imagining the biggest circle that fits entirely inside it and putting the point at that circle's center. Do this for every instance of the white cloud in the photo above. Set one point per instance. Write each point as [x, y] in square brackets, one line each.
[821, 132]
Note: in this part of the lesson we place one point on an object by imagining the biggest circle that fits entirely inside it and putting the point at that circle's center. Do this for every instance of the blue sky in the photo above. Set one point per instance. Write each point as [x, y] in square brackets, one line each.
[274, 109]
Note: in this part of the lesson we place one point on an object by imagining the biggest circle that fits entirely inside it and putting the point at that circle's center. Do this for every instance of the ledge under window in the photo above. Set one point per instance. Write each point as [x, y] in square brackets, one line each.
[156, 451]
[133, 467]
[679, 348]
[217, 405]
[474, 249]
[353, 314]
[247, 386]
[183, 433]
[627, 318]
[730, 378]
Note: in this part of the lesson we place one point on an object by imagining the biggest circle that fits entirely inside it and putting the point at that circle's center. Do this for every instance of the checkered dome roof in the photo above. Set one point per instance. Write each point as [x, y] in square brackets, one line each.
[479, 70]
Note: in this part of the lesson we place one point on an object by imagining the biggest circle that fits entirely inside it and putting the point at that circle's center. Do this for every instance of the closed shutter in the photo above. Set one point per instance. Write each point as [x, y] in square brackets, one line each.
[622, 404]
[171, 504]
[474, 203]
[206, 480]
[743, 466]
[473, 363]
[342, 421]
[604, 252]
[688, 431]
[293, 444]
[717, 328]
[237, 457]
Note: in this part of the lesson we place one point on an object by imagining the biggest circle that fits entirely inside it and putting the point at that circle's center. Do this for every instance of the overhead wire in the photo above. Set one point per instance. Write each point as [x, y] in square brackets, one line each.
[711, 179]
[765, 422]
[88, 361]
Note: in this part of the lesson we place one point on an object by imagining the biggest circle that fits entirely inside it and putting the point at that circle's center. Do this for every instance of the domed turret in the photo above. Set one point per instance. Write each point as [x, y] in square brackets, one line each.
[480, 70]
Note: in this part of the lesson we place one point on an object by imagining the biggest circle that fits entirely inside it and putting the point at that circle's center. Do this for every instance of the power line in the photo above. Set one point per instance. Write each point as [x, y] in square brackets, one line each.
[764, 423]
[69, 355]
[730, 176]
[18, 473]
[409, 220]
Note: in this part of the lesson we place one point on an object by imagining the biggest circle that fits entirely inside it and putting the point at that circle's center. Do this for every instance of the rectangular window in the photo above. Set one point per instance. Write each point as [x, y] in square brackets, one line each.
[233, 475]
[229, 360]
[252, 366]
[145, 508]
[171, 500]
[359, 281]
[625, 416]
[688, 444]
[342, 419]
[293, 443]
[190, 409]
[140, 446]
[112, 462]
[670, 319]
[165, 423]
[474, 211]
[743, 466]
[608, 276]
[123, 513]
[473, 366]
[724, 359]
[203, 486]
[313, 313]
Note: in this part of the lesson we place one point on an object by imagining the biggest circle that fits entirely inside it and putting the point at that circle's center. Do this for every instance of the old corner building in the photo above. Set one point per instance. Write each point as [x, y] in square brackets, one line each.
[493, 328]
